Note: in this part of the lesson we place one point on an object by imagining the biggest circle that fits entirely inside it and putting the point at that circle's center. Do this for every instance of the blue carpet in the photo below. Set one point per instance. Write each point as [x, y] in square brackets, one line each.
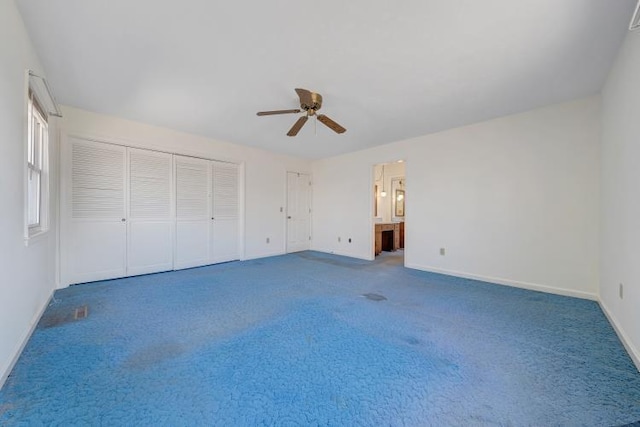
[293, 340]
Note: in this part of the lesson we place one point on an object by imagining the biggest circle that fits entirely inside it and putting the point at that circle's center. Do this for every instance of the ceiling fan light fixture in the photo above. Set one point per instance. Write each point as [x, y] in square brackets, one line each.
[635, 19]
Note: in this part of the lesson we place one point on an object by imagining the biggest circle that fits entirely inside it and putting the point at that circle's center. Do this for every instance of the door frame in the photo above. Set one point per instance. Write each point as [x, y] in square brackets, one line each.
[286, 209]
[372, 201]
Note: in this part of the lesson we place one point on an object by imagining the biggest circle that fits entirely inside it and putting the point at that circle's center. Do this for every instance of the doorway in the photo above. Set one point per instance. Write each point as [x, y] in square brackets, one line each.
[298, 212]
[389, 202]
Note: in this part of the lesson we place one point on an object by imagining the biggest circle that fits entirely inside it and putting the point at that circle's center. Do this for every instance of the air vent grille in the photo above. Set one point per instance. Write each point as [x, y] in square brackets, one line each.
[81, 312]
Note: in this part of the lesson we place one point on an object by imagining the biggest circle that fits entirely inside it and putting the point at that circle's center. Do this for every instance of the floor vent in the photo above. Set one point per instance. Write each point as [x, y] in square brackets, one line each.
[81, 312]
[375, 297]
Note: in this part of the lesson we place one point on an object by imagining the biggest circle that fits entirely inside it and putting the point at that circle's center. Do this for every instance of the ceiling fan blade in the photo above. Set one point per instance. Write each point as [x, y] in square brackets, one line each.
[305, 97]
[331, 124]
[271, 113]
[297, 126]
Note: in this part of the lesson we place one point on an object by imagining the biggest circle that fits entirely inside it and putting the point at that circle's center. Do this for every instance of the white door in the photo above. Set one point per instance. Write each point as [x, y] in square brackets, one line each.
[95, 211]
[224, 230]
[298, 211]
[150, 220]
[192, 212]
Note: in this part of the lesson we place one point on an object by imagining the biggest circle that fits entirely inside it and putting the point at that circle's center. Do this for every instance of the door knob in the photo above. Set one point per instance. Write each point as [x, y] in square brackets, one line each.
[288, 217]
[123, 219]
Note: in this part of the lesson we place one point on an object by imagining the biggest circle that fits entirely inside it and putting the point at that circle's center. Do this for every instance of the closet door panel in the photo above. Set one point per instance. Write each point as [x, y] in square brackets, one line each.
[225, 240]
[298, 211]
[192, 244]
[97, 251]
[151, 218]
[224, 237]
[150, 248]
[96, 232]
[193, 217]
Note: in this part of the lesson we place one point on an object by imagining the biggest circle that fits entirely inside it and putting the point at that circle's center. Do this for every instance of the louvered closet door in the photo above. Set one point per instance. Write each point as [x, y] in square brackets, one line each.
[224, 232]
[96, 246]
[193, 217]
[151, 222]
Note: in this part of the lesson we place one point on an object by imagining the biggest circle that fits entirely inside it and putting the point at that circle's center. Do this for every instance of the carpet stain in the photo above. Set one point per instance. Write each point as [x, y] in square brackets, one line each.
[59, 315]
[375, 297]
[153, 355]
[346, 262]
[412, 340]
[56, 319]
[5, 407]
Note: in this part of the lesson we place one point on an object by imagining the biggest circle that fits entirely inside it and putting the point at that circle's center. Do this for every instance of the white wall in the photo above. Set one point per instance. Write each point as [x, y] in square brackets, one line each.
[513, 200]
[265, 173]
[620, 209]
[27, 271]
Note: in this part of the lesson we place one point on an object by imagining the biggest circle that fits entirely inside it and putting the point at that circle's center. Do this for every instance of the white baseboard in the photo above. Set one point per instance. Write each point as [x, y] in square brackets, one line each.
[507, 282]
[626, 342]
[6, 370]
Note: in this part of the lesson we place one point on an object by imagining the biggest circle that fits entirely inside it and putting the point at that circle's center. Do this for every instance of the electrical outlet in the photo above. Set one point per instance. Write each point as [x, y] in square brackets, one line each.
[268, 240]
[621, 290]
[339, 239]
[349, 239]
[441, 251]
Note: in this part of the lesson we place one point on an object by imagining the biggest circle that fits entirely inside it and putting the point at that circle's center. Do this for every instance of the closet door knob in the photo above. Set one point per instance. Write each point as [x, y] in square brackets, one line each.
[123, 220]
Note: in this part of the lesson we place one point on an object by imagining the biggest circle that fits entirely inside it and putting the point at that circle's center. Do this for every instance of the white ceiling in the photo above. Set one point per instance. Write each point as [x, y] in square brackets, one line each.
[387, 70]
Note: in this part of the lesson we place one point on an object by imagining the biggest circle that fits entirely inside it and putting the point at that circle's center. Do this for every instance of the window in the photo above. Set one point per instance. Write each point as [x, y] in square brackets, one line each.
[37, 159]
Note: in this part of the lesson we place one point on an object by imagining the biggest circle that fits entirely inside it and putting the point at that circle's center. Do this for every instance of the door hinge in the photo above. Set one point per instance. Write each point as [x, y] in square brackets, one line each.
[309, 237]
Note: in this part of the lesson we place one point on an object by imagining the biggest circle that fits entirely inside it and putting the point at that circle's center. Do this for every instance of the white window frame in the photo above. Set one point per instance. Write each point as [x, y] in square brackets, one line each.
[37, 164]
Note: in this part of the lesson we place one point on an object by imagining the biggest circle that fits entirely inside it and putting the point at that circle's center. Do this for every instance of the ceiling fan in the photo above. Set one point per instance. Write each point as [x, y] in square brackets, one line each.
[310, 102]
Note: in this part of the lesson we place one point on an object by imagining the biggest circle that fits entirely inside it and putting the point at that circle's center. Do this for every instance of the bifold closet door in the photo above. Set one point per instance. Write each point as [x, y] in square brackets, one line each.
[151, 219]
[97, 234]
[193, 219]
[224, 230]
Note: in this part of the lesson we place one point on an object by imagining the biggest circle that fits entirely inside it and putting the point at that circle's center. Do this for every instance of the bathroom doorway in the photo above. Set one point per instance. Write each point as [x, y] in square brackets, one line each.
[389, 207]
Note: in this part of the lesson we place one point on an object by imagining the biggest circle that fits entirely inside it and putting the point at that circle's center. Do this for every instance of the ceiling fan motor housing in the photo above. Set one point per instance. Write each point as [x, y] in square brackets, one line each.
[316, 102]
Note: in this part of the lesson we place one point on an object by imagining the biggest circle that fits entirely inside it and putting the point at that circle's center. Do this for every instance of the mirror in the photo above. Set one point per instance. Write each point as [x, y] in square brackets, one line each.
[399, 202]
[398, 199]
[375, 201]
